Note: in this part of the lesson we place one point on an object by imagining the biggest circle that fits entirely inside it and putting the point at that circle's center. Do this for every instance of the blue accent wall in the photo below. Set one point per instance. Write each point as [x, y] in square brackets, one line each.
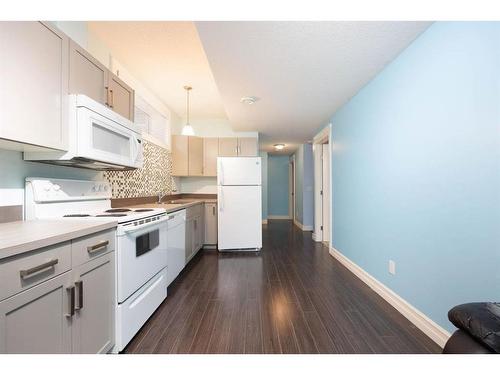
[416, 170]
[277, 168]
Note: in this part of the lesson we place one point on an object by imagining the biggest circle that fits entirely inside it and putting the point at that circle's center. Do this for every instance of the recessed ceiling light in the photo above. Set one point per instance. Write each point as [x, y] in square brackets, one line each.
[279, 146]
[249, 99]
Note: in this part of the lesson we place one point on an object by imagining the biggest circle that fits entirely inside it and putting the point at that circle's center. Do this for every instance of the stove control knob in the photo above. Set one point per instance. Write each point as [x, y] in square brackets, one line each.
[46, 188]
[105, 187]
[94, 188]
[56, 187]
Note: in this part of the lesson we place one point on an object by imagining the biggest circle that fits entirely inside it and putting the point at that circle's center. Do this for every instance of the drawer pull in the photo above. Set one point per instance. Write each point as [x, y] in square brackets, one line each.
[79, 287]
[36, 269]
[97, 247]
[71, 292]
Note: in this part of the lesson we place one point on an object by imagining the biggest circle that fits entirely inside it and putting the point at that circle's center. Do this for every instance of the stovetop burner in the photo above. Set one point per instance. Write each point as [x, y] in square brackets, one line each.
[118, 210]
[144, 210]
[77, 215]
[110, 215]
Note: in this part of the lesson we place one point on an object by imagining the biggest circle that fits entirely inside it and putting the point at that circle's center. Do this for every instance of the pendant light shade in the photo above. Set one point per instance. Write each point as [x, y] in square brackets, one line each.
[187, 129]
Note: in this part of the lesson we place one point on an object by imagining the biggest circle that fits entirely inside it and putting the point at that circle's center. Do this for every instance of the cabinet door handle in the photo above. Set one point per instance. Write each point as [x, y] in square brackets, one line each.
[79, 287]
[213, 210]
[36, 269]
[112, 105]
[71, 291]
[94, 248]
[107, 97]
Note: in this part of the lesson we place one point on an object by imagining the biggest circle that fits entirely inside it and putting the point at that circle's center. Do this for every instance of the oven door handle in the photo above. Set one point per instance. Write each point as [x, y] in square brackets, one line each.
[133, 228]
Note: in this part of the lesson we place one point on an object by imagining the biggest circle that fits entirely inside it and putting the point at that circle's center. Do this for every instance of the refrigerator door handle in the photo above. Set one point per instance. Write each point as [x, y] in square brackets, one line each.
[221, 169]
[221, 200]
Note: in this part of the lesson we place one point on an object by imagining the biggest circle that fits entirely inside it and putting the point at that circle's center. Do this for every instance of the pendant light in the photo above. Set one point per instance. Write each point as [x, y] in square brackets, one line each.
[187, 129]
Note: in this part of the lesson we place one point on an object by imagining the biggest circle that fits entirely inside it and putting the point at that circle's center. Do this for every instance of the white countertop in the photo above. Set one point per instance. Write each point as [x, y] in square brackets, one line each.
[22, 236]
[176, 207]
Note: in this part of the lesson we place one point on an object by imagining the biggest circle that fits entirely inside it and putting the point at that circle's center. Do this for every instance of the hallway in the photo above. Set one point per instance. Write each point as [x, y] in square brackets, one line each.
[292, 297]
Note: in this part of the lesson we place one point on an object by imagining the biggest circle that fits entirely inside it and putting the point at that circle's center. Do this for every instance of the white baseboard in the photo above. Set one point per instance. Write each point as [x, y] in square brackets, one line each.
[278, 217]
[302, 226]
[264, 221]
[435, 332]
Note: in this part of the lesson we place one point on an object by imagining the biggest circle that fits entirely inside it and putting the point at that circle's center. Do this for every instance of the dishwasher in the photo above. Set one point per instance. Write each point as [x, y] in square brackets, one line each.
[176, 240]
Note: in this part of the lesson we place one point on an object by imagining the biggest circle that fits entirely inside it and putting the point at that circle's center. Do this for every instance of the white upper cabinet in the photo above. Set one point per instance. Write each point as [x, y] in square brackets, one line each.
[34, 85]
[247, 147]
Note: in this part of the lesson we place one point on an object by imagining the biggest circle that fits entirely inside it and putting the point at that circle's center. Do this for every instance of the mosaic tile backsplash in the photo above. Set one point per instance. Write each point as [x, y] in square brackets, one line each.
[154, 176]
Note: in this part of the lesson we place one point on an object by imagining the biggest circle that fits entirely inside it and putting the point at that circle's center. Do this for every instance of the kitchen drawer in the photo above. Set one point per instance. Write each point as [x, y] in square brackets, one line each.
[92, 246]
[23, 271]
[195, 210]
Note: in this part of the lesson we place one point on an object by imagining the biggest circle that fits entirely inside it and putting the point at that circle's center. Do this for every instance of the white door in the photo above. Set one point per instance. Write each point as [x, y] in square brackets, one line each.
[291, 189]
[240, 217]
[326, 192]
[239, 171]
[318, 197]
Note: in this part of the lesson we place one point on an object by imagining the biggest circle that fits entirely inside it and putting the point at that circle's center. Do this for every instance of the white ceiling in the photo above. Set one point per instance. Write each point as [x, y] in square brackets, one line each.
[301, 71]
[165, 56]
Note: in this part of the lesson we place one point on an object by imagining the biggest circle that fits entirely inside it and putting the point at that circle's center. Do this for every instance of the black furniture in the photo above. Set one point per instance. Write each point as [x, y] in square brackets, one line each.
[478, 329]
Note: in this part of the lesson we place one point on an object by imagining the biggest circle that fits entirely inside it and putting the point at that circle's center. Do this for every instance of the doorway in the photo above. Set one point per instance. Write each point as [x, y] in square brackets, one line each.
[322, 186]
[291, 188]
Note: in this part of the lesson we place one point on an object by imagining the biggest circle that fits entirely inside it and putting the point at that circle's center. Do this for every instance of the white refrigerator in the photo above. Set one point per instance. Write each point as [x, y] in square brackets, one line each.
[239, 198]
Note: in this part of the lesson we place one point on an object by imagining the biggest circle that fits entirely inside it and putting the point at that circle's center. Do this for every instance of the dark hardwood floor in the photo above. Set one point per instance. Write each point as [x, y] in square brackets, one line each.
[292, 297]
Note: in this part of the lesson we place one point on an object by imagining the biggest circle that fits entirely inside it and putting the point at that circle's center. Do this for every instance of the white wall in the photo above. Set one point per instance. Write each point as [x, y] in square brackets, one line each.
[199, 185]
[76, 30]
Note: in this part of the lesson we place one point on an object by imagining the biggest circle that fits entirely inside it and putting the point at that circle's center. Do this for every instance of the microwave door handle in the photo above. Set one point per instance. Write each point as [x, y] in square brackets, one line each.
[135, 141]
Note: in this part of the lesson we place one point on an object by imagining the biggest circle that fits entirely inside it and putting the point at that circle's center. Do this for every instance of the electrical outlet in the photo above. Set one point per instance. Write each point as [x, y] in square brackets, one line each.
[392, 267]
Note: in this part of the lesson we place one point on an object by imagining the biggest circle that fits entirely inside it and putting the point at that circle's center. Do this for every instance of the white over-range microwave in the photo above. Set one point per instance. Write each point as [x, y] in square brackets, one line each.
[99, 139]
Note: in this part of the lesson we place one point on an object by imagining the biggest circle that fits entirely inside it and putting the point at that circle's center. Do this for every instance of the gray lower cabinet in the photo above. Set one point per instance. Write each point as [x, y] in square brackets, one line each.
[200, 231]
[210, 224]
[38, 319]
[195, 230]
[93, 322]
[55, 305]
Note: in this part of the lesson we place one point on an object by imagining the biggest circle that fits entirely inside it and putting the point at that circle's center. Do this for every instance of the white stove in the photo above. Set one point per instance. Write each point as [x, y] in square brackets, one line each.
[141, 243]
[57, 198]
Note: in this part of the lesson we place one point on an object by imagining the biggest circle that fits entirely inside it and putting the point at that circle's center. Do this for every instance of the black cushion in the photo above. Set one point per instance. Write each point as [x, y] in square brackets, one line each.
[463, 343]
[480, 320]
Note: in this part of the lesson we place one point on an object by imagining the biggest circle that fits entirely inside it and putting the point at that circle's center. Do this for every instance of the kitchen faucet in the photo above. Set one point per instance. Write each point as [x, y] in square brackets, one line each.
[161, 196]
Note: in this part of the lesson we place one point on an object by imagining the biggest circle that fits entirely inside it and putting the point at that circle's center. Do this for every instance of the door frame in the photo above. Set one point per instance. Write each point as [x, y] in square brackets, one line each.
[324, 136]
[291, 187]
